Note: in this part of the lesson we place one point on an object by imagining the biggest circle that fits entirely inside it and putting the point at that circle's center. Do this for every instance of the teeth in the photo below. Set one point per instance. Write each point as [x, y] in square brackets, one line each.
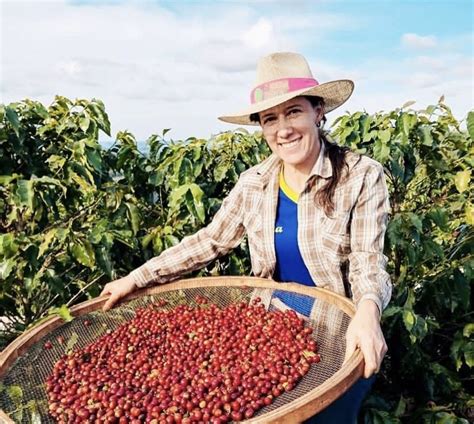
[289, 144]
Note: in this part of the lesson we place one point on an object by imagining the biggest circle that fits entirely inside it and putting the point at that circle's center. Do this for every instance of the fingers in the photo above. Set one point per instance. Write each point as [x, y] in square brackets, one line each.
[374, 352]
[351, 346]
[105, 290]
[110, 302]
[372, 346]
[371, 360]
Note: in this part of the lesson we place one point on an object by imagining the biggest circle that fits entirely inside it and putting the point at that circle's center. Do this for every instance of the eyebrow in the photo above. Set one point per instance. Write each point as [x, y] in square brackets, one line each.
[268, 114]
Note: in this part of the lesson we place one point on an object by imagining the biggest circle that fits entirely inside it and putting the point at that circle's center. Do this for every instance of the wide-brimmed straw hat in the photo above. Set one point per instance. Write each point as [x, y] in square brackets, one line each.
[283, 76]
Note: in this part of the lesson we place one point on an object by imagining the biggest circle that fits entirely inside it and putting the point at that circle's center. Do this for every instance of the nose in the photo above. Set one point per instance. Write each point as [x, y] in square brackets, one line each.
[284, 127]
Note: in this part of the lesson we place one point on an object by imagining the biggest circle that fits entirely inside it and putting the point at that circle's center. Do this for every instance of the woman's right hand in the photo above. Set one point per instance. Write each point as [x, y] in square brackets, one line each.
[118, 289]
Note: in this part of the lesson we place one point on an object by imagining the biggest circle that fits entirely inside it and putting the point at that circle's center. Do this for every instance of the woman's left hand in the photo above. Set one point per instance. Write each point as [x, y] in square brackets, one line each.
[364, 331]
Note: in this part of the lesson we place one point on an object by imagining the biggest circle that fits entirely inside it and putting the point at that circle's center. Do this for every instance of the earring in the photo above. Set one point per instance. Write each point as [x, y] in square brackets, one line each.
[318, 124]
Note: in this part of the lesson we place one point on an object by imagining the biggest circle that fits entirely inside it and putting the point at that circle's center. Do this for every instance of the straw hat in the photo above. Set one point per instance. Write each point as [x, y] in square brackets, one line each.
[283, 76]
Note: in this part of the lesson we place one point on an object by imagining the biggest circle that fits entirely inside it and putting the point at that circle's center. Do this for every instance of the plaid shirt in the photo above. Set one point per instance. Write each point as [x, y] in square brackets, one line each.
[343, 252]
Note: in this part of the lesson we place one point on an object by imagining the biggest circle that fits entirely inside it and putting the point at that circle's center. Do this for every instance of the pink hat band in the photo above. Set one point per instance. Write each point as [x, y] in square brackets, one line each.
[280, 86]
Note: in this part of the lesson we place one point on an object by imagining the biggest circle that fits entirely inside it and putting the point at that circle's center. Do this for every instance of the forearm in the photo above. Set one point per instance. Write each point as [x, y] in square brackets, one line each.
[192, 253]
[367, 263]
[369, 279]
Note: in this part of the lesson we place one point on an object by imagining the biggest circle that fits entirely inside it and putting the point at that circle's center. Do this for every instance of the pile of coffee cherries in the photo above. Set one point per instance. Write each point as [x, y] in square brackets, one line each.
[184, 364]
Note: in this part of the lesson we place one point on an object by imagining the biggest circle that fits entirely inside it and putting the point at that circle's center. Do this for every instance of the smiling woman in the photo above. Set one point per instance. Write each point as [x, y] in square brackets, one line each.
[314, 214]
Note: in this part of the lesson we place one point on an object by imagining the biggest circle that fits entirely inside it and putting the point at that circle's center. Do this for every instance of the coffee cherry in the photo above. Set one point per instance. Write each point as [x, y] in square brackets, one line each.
[183, 364]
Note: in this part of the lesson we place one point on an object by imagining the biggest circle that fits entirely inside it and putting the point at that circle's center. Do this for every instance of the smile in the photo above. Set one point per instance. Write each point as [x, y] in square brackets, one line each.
[289, 144]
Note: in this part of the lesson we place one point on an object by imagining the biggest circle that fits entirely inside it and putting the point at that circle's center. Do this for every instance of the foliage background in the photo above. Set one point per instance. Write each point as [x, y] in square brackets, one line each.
[74, 215]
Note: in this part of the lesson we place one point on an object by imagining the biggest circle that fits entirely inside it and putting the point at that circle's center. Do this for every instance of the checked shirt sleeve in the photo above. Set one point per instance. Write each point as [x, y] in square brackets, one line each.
[194, 252]
[367, 274]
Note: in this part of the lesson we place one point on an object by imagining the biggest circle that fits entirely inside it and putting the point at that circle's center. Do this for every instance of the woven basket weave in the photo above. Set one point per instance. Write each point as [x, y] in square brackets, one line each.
[25, 363]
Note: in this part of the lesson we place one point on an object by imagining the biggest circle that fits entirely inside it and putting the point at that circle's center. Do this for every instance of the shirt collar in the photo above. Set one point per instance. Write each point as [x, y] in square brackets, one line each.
[322, 167]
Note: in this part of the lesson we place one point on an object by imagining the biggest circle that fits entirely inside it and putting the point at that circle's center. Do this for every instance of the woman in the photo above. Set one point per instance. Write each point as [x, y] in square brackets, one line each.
[314, 213]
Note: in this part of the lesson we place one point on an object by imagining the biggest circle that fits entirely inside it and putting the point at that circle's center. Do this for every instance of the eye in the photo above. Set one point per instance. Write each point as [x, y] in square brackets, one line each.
[268, 119]
[293, 112]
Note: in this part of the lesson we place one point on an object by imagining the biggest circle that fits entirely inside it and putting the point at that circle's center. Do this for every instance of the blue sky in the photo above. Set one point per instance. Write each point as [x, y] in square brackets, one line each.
[180, 64]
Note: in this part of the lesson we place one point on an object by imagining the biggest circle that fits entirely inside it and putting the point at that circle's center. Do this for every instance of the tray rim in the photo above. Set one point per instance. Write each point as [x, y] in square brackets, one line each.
[297, 410]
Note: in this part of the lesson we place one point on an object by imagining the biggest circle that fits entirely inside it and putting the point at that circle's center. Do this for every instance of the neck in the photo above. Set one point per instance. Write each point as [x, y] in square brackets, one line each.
[296, 175]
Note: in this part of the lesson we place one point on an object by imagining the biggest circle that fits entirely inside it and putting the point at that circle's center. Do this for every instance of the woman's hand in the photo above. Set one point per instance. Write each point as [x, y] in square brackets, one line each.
[118, 289]
[365, 332]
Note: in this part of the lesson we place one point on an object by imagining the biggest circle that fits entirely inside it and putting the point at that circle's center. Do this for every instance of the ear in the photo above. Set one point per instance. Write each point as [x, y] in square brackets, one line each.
[319, 111]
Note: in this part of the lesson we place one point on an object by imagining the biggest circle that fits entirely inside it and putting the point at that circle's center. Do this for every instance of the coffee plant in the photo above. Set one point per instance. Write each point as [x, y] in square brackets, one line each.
[74, 215]
[426, 376]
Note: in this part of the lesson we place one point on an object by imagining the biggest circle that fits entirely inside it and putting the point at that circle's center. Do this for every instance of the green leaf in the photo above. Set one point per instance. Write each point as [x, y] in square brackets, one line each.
[7, 179]
[456, 351]
[47, 238]
[171, 240]
[409, 319]
[440, 217]
[390, 311]
[63, 311]
[83, 252]
[432, 249]
[381, 151]
[40, 110]
[16, 395]
[12, 117]
[25, 193]
[426, 137]
[35, 416]
[408, 120]
[156, 178]
[469, 354]
[84, 123]
[8, 245]
[94, 158]
[177, 196]
[384, 136]
[96, 107]
[104, 261]
[408, 104]
[198, 204]
[416, 221]
[81, 182]
[133, 217]
[157, 245]
[462, 180]
[469, 214]
[470, 124]
[468, 330]
[401, 407]
[184, 171]
[56, 162]
[6, 267]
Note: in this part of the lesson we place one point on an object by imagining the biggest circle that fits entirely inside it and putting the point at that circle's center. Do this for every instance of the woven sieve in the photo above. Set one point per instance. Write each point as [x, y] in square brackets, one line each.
[25, 365]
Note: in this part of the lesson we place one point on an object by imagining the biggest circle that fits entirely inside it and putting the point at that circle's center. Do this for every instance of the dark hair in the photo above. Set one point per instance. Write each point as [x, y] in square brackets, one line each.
[337, 156]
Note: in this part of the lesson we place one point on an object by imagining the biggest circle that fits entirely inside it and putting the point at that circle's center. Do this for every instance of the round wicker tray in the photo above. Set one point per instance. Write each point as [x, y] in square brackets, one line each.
[25, 360]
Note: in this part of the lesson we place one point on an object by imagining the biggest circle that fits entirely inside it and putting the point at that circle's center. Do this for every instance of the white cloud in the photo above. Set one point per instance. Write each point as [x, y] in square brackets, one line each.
[389, 83]
[71, 67]
[415, 41]
[152, 67]
[259, 34]
[155, 68]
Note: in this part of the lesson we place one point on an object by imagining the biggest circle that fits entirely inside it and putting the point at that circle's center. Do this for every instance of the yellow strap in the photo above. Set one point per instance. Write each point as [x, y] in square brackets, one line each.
[293, 195]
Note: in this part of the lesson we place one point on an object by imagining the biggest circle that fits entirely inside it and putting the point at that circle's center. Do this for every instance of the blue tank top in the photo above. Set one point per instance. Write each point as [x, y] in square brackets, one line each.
[290, 266]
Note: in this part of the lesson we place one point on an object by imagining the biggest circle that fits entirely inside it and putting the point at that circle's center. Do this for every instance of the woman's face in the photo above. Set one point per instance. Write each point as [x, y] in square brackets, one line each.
[290, 131]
